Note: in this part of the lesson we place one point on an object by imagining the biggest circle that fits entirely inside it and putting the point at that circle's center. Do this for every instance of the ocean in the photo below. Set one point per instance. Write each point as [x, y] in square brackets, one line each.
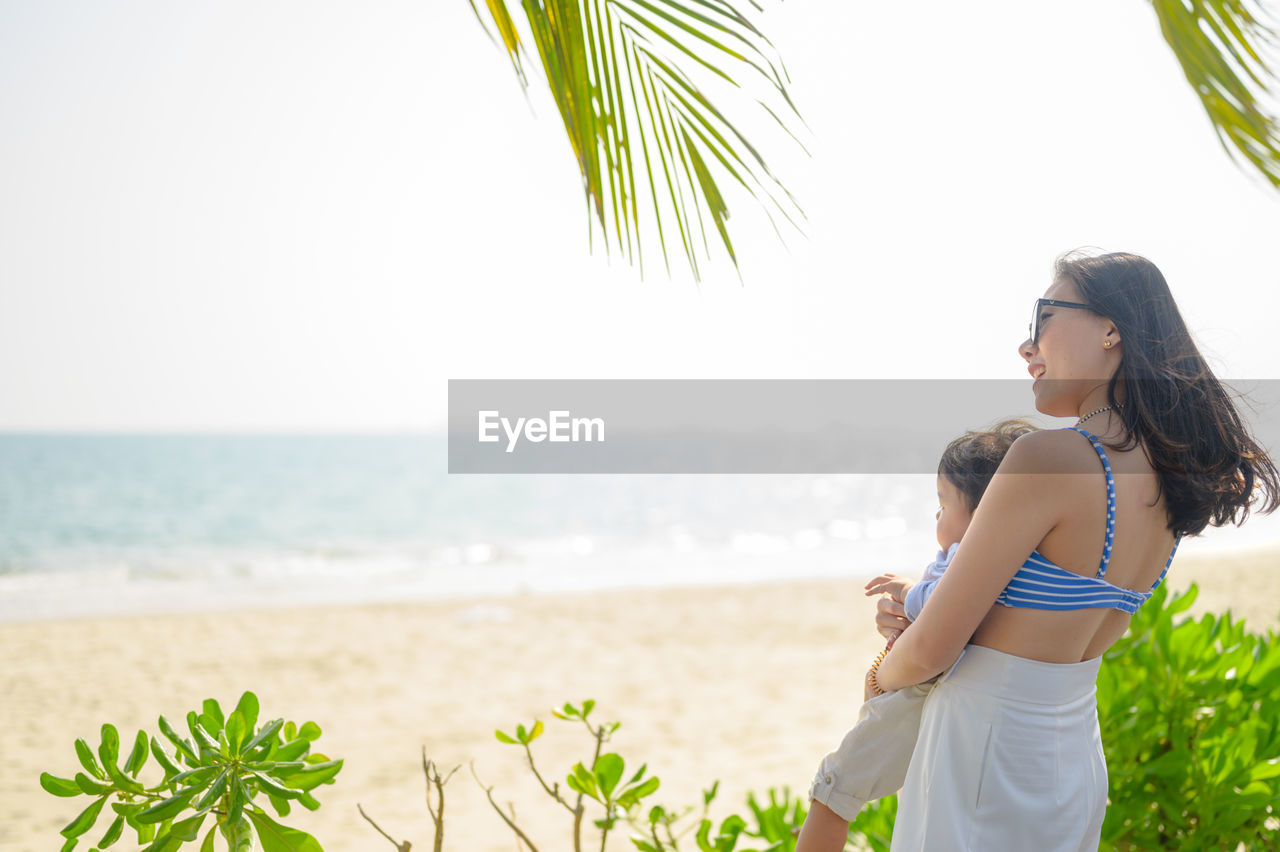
[119, 524]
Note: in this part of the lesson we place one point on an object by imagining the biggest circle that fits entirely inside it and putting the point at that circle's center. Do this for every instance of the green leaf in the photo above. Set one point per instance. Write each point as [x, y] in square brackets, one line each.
[88, 761]
[280, 838]
[128, 810]
[207, 845]
[187, 829]
[58, 786]
[216, 789]
[703, 837]
[91, 787]
[212, 718]
[70, 844]
[281, 805]
[312, 776]
[247, 707]
[166, 808]
[536, 732]
[1184, 601]
[608, 772]
[308, 801]
[113, 833]
[195, 777]
[138, 756]
[268, 730]
[635, 794]
[109, 751]
[122, 781]
[146, 830]
[200, 735]
[273, 787]
[85, 820]
[1220, 46]
[164, 842]
[239, 835]
[184, 748]
[162, 757]
[276, 766]
[292, 750]
[235, 731]
[577, 786]
[1263, 771]
[237, 796]
[582, 781]
[505, 738]
[309, 731]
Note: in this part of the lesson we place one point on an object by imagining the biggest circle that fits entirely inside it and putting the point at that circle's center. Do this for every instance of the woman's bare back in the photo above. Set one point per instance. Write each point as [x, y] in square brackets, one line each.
[1141, 546]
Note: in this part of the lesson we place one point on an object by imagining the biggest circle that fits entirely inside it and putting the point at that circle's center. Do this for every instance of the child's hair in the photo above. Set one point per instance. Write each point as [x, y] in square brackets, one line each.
[971, 460]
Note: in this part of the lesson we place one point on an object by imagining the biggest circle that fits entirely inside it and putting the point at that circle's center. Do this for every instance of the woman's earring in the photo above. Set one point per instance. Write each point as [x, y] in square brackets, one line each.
[1106, 344]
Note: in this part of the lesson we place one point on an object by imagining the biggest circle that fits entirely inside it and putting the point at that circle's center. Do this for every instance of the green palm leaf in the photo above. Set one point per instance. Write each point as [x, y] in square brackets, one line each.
[1226, 51]
[630, 79]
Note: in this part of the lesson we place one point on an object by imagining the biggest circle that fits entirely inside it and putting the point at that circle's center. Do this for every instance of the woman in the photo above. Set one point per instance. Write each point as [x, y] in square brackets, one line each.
[1009, 755]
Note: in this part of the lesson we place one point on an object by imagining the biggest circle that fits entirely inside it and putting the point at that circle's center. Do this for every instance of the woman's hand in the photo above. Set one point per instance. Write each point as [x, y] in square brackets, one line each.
[891, 616]
[868, 692]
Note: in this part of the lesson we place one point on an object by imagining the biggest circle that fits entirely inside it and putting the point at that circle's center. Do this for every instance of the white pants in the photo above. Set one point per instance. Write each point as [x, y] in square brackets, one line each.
[1009, 757]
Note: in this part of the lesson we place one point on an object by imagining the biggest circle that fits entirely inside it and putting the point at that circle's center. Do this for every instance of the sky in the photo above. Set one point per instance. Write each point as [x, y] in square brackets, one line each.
[308, 217]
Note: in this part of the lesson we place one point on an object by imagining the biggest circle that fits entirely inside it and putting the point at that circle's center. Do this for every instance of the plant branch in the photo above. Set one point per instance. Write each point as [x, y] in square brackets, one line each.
[400, 847]
[552, 790]
[432, 773]
[488, 793]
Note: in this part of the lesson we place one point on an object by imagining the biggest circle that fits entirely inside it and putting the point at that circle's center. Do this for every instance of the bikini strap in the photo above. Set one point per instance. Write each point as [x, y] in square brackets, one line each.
[1111, 503]
[1176, 541]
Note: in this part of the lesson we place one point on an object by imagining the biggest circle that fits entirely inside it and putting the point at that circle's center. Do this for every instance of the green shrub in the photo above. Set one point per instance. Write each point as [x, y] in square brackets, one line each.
[219, 771]
[1190, 716]
[768, 826]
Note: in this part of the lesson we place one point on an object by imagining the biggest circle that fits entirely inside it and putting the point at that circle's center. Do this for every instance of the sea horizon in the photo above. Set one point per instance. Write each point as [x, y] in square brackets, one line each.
[99, 523]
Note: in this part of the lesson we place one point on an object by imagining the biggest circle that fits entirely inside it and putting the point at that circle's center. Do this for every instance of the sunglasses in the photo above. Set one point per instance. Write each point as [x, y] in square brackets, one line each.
[1033, 329]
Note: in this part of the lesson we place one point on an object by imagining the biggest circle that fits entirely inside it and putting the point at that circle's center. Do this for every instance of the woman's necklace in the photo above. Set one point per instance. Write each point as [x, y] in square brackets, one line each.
[1099, 411]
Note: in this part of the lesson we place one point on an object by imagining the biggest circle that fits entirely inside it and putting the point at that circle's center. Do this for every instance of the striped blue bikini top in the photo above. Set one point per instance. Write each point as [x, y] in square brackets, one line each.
[1039, 584]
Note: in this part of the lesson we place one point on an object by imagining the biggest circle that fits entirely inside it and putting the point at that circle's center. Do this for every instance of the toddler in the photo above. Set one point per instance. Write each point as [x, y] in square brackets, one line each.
[872, 759]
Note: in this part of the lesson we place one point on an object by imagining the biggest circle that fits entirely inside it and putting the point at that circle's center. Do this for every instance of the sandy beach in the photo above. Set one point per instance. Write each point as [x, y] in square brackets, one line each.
[750, 685]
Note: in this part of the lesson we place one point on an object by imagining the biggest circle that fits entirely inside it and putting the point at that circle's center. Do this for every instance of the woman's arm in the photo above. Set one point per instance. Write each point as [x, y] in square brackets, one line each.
[1020, 507]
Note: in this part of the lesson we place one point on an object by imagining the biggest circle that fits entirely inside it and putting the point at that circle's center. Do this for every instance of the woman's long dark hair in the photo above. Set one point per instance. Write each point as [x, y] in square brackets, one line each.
[1209, 465]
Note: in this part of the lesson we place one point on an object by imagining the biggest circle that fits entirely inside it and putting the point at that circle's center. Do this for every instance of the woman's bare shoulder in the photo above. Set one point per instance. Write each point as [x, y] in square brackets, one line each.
[1051, 451]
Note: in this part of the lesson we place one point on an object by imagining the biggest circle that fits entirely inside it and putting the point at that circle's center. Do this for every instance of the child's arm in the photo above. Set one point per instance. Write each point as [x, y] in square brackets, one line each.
[911, 595]
[919, 593]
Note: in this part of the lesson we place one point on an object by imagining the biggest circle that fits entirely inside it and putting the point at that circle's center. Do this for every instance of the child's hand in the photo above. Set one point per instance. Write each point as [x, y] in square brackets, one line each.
[891, 617]
[890, 584]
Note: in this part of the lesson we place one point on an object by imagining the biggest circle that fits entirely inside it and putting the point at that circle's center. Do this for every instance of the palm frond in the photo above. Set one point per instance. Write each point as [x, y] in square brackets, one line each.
[629, 79]
[1227, 53]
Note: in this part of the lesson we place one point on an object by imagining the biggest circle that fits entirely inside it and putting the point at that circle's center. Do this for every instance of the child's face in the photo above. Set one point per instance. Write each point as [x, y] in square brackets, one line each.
[953, 514]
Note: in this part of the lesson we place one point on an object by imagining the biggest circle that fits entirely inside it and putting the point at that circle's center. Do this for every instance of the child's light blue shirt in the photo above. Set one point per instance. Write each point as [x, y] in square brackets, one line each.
[918, 594]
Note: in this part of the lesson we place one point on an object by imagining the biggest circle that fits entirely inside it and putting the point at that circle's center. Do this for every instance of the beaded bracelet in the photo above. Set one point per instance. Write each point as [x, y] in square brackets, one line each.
[871, 675]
